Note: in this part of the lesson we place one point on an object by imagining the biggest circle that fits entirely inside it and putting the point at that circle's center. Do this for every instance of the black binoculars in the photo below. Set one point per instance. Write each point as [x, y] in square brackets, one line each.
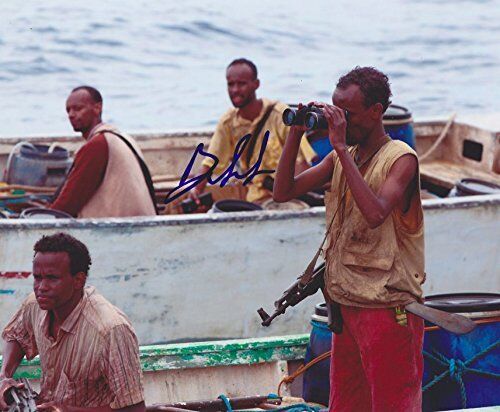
[309, 116]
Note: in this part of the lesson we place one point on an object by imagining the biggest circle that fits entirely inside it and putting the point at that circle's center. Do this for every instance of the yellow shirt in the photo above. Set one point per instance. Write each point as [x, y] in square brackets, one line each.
[232, 127]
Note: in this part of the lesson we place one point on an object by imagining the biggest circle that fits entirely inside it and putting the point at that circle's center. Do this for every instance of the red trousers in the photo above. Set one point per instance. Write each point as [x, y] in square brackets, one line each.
[376, 364]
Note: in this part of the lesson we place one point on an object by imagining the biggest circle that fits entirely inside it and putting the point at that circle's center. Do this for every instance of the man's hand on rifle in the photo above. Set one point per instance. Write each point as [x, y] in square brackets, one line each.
[5, 385]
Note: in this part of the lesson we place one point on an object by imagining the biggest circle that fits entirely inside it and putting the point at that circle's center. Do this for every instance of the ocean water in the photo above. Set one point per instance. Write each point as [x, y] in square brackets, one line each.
[160, 65]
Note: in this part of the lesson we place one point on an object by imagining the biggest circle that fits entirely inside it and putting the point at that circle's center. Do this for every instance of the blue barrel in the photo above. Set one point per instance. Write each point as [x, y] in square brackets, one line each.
[460, 371]
[37, 165]
[316, 381]
[320, 143]
[398, 124]
[463, 371]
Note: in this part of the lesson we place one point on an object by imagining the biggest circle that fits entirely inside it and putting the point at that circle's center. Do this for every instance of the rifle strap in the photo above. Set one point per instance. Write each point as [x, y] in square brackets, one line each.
[142, 164]
[256, 133]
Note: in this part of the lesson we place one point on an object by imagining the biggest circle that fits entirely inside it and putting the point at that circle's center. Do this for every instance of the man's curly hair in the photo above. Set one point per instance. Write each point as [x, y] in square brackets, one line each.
[79, 257]
[373, 84]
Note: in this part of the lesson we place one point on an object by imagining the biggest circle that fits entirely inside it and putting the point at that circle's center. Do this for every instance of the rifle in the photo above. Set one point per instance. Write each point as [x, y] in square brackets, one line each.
[297, 292]
[23, 399]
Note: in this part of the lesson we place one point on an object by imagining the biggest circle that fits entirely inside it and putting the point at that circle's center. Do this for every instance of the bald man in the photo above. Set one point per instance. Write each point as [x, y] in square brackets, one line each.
[109, 177]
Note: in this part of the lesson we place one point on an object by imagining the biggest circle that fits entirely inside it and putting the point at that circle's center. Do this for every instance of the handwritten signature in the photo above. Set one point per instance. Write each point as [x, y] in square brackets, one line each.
[185, 184]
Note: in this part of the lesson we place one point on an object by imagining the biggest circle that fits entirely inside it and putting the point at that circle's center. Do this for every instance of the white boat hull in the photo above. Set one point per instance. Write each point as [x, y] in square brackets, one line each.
[200, 277]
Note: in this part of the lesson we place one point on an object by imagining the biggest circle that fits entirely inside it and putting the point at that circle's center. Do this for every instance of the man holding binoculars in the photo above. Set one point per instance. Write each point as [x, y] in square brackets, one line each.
[375, 245]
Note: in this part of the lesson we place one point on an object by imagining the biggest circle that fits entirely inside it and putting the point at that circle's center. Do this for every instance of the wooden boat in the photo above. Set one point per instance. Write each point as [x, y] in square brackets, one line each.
[203, 276]
[205, 370]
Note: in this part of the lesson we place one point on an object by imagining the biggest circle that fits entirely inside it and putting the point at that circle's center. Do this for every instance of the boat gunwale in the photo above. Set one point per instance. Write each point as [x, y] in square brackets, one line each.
[143, 135]
[188, 355]
[139, 136]
[465, 202]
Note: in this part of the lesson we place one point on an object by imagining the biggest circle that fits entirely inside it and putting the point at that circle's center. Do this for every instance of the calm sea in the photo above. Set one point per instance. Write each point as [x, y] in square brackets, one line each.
[160, 64]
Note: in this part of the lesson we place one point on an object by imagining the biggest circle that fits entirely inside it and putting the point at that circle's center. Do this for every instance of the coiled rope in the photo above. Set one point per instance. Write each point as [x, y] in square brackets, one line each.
[298, 407]
[301, 369]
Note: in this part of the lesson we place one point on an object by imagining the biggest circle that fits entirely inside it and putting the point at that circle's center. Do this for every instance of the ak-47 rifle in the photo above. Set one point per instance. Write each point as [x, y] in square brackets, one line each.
[297, 292]
[22, 399]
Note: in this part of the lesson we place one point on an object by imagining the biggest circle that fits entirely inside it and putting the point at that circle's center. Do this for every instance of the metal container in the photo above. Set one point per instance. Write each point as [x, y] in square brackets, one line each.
[37, 165]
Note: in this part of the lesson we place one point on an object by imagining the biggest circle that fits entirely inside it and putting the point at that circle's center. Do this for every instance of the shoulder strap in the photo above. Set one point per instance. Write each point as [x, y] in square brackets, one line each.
[256, 132]
[142, 164]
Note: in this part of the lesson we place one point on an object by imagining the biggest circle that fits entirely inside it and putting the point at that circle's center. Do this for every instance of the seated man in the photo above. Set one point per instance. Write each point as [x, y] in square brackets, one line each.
[88, 350]
[109, 177]
[244, 118]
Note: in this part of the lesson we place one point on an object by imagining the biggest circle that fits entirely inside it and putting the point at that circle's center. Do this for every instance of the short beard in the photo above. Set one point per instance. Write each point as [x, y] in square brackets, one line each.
[244, 103]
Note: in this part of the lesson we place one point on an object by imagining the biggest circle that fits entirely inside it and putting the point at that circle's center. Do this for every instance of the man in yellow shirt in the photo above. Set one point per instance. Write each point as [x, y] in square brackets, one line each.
[244, 118]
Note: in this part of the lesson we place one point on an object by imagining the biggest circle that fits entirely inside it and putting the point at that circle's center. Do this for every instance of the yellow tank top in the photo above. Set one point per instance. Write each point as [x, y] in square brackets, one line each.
[380, 267]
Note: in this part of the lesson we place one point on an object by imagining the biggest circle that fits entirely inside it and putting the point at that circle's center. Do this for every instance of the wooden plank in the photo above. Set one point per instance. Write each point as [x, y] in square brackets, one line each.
[447, 174]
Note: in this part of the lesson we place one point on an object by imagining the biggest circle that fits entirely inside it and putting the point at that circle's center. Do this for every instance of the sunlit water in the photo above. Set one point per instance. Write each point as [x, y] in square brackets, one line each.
[161, 65]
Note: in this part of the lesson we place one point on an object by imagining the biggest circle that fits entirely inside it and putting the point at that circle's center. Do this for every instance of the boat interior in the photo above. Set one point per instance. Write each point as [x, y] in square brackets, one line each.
[448, 152]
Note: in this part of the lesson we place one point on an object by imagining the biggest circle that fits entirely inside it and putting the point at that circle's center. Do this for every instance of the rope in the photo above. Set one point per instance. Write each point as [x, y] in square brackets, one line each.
[457, 368]
[227, 404]
[439, 139]
[298, 407]
[289, 379]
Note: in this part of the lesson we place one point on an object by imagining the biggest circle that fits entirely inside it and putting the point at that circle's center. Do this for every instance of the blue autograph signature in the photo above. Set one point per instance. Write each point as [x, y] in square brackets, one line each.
[186, 184]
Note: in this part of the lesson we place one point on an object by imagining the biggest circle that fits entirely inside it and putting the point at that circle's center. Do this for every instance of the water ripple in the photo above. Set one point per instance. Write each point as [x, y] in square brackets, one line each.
[145, 55]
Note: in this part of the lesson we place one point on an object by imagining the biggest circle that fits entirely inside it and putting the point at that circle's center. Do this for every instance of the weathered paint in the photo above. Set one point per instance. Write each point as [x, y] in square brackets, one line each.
[184, 372]
[167, 357]
[14, 275]
[203, 277]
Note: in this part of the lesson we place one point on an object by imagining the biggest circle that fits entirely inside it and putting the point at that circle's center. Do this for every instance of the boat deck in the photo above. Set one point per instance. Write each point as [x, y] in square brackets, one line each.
[446, 173]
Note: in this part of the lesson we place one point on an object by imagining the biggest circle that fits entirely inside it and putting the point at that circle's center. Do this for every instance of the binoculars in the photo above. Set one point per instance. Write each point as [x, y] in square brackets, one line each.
[309, 116]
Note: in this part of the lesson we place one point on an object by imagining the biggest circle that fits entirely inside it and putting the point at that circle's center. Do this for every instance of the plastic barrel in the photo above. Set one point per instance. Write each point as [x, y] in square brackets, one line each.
[472, 187]
[444, 353]
[320, 143]
[398, 124]
[38, 165]
[316, 381]
[42, 213]
[470, 363]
